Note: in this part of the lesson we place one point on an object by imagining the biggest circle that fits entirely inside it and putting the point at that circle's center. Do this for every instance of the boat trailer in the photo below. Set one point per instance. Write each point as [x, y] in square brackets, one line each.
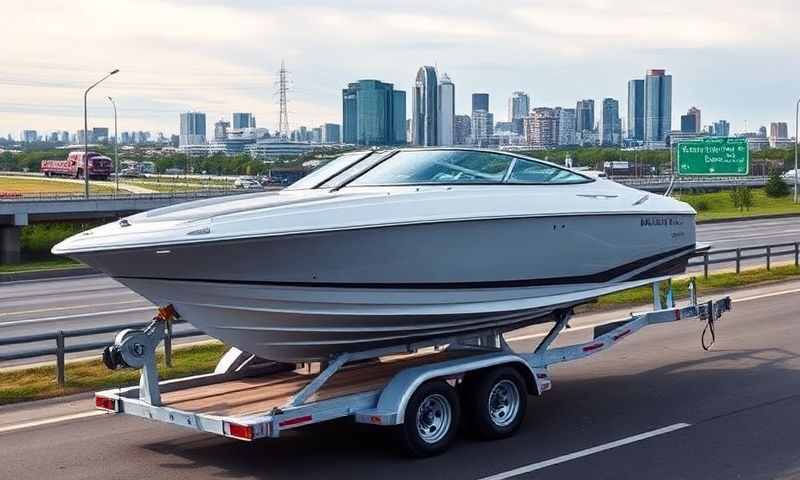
[423, 389]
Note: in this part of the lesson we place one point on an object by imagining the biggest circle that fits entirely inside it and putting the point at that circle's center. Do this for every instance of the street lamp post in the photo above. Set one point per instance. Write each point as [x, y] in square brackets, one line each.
[796, 139]
[116, 142]
[86, 134]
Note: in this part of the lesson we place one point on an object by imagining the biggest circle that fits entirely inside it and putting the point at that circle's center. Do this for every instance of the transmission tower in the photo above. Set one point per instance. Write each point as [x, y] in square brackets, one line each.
[283, 87]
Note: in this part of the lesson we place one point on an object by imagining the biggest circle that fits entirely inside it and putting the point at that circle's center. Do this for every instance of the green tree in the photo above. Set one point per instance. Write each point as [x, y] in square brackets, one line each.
[742, 198]
[776, 187]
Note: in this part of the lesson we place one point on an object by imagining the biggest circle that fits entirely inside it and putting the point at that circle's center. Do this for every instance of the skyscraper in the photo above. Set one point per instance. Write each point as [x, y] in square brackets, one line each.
[480, 101]
[657, 106]
[541, 128]
[636, 110]
[370, 111]
[778, 130]
[100, 134]
[425, 105]
[610, 122]
[584, 115]
[193, 128]
[447, 111]
[462, 129]
[688, 123]
[697, 120]
[519, 106]
[566, 127]
[243, 120]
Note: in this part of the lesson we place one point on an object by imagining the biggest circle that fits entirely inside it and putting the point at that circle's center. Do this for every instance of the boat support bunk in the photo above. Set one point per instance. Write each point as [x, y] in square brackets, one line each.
[425, 389]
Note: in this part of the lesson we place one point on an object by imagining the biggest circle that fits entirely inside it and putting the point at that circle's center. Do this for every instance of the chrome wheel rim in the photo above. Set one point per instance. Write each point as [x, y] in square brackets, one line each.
[434, 416]
[504, 401]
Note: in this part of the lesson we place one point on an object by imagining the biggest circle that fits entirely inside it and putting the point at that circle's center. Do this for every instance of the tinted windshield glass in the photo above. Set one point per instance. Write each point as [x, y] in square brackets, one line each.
[525, 171]
[328, 170]
[437, 167]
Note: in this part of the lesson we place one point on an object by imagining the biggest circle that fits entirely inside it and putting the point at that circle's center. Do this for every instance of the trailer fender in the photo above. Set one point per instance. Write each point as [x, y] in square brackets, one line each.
[391, 406]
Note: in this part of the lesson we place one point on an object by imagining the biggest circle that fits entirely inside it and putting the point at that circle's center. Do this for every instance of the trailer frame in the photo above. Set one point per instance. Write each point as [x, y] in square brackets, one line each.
[384, 406]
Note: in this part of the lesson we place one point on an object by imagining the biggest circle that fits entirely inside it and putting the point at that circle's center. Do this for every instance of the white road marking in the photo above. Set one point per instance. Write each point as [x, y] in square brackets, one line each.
[48, 421]
[70, 317]
[72, 307]
[584, 453]
[766, 295]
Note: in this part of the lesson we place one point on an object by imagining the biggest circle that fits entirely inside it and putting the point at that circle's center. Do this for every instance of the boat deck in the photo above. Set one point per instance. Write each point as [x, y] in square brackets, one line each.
[256, 395]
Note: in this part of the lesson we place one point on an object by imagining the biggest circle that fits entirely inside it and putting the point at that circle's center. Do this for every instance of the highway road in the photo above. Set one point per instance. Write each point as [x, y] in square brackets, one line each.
[657, 407]
[48, 305]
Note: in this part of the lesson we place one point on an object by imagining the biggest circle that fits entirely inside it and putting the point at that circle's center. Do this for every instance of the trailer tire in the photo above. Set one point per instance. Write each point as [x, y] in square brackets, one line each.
[431, 419]
[495, 402]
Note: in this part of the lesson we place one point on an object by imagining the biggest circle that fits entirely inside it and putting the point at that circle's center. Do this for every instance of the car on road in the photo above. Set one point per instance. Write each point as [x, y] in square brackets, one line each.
[789, 175]
[247, 183]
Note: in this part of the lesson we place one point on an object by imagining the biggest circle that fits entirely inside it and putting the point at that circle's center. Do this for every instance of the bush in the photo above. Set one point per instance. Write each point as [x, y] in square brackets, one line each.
[776, 187]
[742, 198]
[38, 239]
[701, 204]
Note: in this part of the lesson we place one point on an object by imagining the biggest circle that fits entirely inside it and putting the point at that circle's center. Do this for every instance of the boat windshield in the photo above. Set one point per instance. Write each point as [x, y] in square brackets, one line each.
[329, 170]
[462, 167]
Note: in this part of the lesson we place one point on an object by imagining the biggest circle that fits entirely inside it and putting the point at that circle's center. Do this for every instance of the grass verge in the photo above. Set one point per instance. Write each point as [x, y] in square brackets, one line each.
[719, 205]
[39, 265]
[26, 186]
[39, 382]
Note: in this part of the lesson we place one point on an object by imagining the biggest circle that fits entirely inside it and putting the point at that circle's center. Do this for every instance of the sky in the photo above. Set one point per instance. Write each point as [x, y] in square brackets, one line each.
[735, 61]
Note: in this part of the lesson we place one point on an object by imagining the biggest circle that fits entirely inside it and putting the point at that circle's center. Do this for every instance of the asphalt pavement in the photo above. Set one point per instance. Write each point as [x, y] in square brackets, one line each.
[43, 306]
[656, 406]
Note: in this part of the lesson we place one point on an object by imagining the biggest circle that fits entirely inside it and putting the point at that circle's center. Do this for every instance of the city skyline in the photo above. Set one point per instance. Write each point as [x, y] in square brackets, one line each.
[220, 71]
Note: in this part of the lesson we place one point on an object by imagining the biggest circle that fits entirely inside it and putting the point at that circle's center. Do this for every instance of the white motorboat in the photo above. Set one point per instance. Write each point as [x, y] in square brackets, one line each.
[385, 247]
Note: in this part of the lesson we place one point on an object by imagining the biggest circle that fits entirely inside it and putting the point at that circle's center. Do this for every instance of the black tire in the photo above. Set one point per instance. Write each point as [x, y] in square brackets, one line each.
[495, 402]
[431, 419]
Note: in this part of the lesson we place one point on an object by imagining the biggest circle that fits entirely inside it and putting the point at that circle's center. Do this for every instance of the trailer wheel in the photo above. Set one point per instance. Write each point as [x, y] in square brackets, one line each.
[431, 419]
[496, 402]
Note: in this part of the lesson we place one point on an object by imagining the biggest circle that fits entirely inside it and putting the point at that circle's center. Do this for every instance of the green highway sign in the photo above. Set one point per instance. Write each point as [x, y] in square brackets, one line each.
[714, 156]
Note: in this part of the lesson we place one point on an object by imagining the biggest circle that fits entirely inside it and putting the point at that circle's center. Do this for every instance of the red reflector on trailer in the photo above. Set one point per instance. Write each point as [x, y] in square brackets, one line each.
[243, 432]
[105, 403]
[677, 314]
[295, 421]
[589, 348]
[620, 335]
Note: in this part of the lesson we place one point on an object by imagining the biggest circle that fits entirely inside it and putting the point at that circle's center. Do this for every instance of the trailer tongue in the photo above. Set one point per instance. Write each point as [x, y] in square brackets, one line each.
[424, 394]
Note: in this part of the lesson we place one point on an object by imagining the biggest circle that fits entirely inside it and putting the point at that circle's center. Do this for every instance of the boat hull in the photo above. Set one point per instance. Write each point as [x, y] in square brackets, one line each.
[306, 297]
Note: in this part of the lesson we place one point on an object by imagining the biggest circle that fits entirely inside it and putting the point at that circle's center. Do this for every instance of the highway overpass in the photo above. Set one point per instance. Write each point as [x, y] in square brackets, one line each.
[15, 213]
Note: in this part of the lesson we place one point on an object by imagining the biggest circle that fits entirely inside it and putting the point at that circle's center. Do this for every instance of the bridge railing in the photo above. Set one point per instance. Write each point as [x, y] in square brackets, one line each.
[51, 196]
[730, 256]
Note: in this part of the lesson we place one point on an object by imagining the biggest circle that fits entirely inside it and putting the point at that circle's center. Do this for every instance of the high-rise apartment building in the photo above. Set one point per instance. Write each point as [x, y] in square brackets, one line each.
[541, 128]
[721, 129]
[373, 113]
[778, 130]
[29, 136]
[657, 106]
[331, 133]
[610, 123]
[193, 128]
[462, 130]
[519, 106]
[566, 127]
[221, 130]
[425, 108]
[688, 123]
[636, 110]
[482, 127]
[100, 134]
[447, 111]
[243, 120]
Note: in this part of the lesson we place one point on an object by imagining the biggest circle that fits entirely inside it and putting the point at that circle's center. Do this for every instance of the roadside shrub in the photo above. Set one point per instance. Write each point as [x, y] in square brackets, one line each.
[776, 187]
[39, 238]
[701, 204]
[742, 198]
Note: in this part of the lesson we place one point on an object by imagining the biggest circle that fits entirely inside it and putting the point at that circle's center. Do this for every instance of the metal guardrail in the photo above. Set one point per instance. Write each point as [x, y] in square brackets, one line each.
[205, 193]
[715, 257]
[62, 349]
[738, 255]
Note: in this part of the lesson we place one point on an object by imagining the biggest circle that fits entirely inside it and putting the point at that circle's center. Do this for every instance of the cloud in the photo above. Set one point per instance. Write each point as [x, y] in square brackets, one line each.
[220, 58]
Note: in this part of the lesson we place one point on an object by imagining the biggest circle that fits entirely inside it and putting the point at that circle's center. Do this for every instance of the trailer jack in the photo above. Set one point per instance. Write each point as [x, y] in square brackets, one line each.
[134, 348]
